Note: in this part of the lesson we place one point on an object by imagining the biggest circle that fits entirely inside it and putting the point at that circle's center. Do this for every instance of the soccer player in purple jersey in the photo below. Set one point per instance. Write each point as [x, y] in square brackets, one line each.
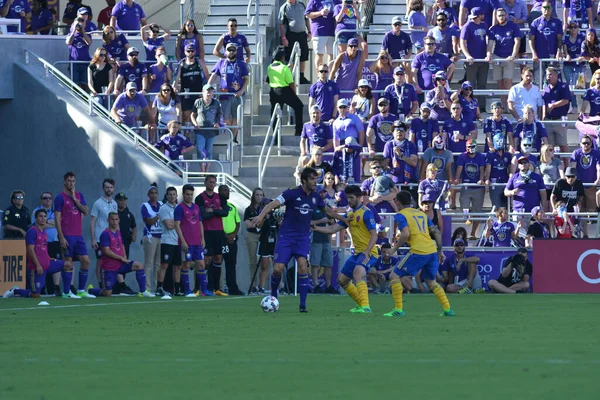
[294, 235]
[114, 261]
[188, 224]
[39, 263]
[69, 208]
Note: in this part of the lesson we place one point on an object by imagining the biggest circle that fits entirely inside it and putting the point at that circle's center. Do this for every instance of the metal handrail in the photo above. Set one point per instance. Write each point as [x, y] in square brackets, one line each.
[274, 130]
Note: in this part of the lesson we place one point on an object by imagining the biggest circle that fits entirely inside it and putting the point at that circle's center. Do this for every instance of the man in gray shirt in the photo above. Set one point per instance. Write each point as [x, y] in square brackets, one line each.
[439, 157]
[293, 27]
[170, 251]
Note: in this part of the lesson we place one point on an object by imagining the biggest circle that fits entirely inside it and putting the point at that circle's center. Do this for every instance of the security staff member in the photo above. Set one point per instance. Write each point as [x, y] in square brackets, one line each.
[231, 227]
[16, 217]
[127, 224]
[283, 90]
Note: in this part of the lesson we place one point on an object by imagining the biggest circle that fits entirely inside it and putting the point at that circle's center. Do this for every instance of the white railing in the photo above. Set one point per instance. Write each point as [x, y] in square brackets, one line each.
[273, 131]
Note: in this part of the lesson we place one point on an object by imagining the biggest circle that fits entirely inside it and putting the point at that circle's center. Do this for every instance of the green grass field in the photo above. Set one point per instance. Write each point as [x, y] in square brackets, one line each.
[524, 347]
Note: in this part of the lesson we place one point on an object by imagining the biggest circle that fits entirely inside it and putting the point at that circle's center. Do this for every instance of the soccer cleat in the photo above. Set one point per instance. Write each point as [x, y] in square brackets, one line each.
[367, 309]
[395, 313]
[146, 293]
[260, 290]
[479, 291]
[85, 295]
[160, 292]
[208, 293]
[180, 293]
[57, 291]
[466, 290]
[220, 293]
[127, 291]
[10, 292]
[70, 295]
[357, 310]
[303, 309]
[357, 307]
[448, 313]
[191, 295]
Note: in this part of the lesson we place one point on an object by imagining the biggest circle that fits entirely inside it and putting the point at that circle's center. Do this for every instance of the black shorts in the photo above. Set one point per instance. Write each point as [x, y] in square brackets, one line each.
[188, 104]
[265, 249]
[215, 241]
[54, 250]
[302, 38]
[170, 254]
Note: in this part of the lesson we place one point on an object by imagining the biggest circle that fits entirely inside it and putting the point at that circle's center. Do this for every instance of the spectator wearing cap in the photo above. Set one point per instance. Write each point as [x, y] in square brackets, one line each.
[192, 75]
[132, 71]
[526, 146]
[526, 188]
[115, 44]
[189, 35]
[347, 125]
[439, 98]
[431, 189]
[380, 189]
[497, 167]
[382, 239]
[545, 37]
[153, 40]
[426, 64]
[402, 96]
[84, 16]
[568, 190]
[347, 68]
[398, 44]
[531, 128]
[556, 96]
[417, 23]
[575, 11]
[105, 14]
[293, 27]
[206, 118]
[233, 74]
[497, 125]
[517, 13]
[552, 169]
[523, 93]
[470, 105]
[70, 13]
[572, 41]
[462, 269]
[128, 106]
[18, 9]
[127, 16]
[515, 275]
[232, 36]
[380, 128]
[400, 156]
[174, 143]
[427, 205]
[470, 169]
[423, 128]
[283, 89]
[322, 28]
[473, 42]
[347, 17]
[502, 231]
[315, 133]
[79, 41]
[363, 102]
[441, 7]
[457, 130]
[42, 19]
[538, 228]
[439, 157]
[586, 161]
[127, 224]
[321, 253]
[16, 216]
[488, 9]
[324, 93]
[446, 35]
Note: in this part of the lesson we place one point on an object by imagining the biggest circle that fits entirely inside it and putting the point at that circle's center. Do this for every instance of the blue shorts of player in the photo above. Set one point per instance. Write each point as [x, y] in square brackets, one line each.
[411, 264]
[194, 253]
[55, 266]
[288, 247]
[109, 278]
[351, 263]
[76, 246]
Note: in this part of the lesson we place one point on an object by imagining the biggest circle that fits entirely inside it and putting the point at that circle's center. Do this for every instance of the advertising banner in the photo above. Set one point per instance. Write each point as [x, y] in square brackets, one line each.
[12, 269]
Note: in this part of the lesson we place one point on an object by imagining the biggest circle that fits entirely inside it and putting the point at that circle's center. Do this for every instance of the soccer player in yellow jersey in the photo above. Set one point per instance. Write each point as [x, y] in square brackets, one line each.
[416, 229]
[361, 223]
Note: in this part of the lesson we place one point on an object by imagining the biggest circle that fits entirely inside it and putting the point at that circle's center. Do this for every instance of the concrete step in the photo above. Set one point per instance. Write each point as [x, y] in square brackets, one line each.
[261, 130]
[254, 151]
[393, 9]
[270, 172]
[289, 161]
[221, 21]
[258, 140]
[386, 18]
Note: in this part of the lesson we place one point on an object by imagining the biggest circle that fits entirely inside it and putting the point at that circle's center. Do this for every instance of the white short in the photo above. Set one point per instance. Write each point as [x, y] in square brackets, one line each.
[476, 282]
[323, 44]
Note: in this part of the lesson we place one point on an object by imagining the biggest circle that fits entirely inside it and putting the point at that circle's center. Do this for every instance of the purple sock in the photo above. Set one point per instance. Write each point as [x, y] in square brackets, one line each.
[201, 276]
[96, 292]
[140, 276]
[83, 274]
[40, 282]
[303, 288]
[67, 277]
[22, 292]
[275, 281]
[185, 281]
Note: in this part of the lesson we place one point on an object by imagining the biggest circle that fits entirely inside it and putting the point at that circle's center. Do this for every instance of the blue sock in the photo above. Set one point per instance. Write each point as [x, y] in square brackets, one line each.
[40, 282]
[185, 281]
[140, 276]
[96, 292]
[22, 292]
[83, 274]
[67, 277]
[275, 281]
[201, 276]
[303, 288]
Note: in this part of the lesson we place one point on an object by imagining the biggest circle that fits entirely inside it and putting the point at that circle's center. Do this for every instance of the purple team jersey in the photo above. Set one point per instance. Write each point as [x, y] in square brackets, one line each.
[128, 18]
[545, 33]
[114, 241]
[504, 36]
[151, 45]
[453, 127]
[431, 189]
[401, 171]
[476, 37]
[488, 7]
[232, 75]
[43, 18]
[428, 66]
[439, 110]
[424, 130]
[471, 167]
[586, 164]
[39, 240]
[240, 41]
[502, 233]
[116, 48]
[70, 217]
[397, 45]
[469, 107]
[493, 127]
[450, 266]
[577, 9]
[322, 26]
[400, 98]
[317, 135]
[173, 145]
[323, 94]
[528, 195]
[133, 73]
[190, 223]
[559, 92]
[349, 21]
[14, 13]
[160, 76]
[299, 207]
[128, 108]
[535, 132]
[499, 166]
[79, 50]
[592, 95]
[383, 127]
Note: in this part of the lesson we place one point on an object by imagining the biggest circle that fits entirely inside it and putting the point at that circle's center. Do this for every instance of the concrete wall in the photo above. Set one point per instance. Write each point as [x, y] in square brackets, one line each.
[51, 133]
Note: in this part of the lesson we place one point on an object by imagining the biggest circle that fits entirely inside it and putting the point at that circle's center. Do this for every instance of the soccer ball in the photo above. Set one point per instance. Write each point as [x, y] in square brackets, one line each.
[269, 304]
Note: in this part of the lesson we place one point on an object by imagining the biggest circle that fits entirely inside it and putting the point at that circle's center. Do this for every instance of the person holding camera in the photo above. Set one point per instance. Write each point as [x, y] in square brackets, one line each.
[515, 275]
[79, 42]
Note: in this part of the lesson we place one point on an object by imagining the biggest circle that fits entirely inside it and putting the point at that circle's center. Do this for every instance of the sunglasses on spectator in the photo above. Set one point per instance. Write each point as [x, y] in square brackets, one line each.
[468, 88]
[459, 245]
[570, 176]
[441, 19]
[586, 143]
[376, 167]
[524, 162]
[343, 107]
[190, 25]
[132, 90]
[473, 146]
[455, 108]
[430, 44]
[501, 15]
[397, 24]
[233, 26]
[165, 90]
[190, 51]
[527, 145]
[324, 71]
[231, 50]
[103, 54]
[547, 7]
[383, 105]
[399, 74]
[133, 55]
[47, 198]
[352, 46]
[19, 197]
[550, 150]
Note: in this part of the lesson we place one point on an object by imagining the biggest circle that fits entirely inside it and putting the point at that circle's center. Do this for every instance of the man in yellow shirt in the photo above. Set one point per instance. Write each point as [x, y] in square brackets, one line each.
[283, 89]
[231, 227]
[416, 229]
[361, 223]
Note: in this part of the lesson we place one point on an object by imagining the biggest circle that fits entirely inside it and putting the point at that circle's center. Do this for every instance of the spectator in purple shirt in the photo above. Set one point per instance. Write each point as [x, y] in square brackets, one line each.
[469, 104]
[401, 96]
[232, 36]
[380, 127]
[577, 10]
[174, 143]
[532, 129]
[488, 8]
[132, 71]
[503, 231]
[42, 20]
[383, 70]
[315, 133]
[160, 72]
[439, 98]
[526, 188]
[470, 168]
[397, 43]
[457, 130]
[116, 45]
[427, 63]
[556, 96]
[447, 36]
[129, 104]
[545, 37]
[19, 9]
[79, 43]
[322, 27]
[347, 15]
[325, 94]
[127, 16]
[441, 7]
[591, 97]
[586, 160]
[572, 50]
[423, 128]
[189, 35]
[496, 124]
[152, 40]
[473, 42]
[400, 156]
[347, 68]
[497, 165]
[70, 12]
[417, 23]
[85, 13]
